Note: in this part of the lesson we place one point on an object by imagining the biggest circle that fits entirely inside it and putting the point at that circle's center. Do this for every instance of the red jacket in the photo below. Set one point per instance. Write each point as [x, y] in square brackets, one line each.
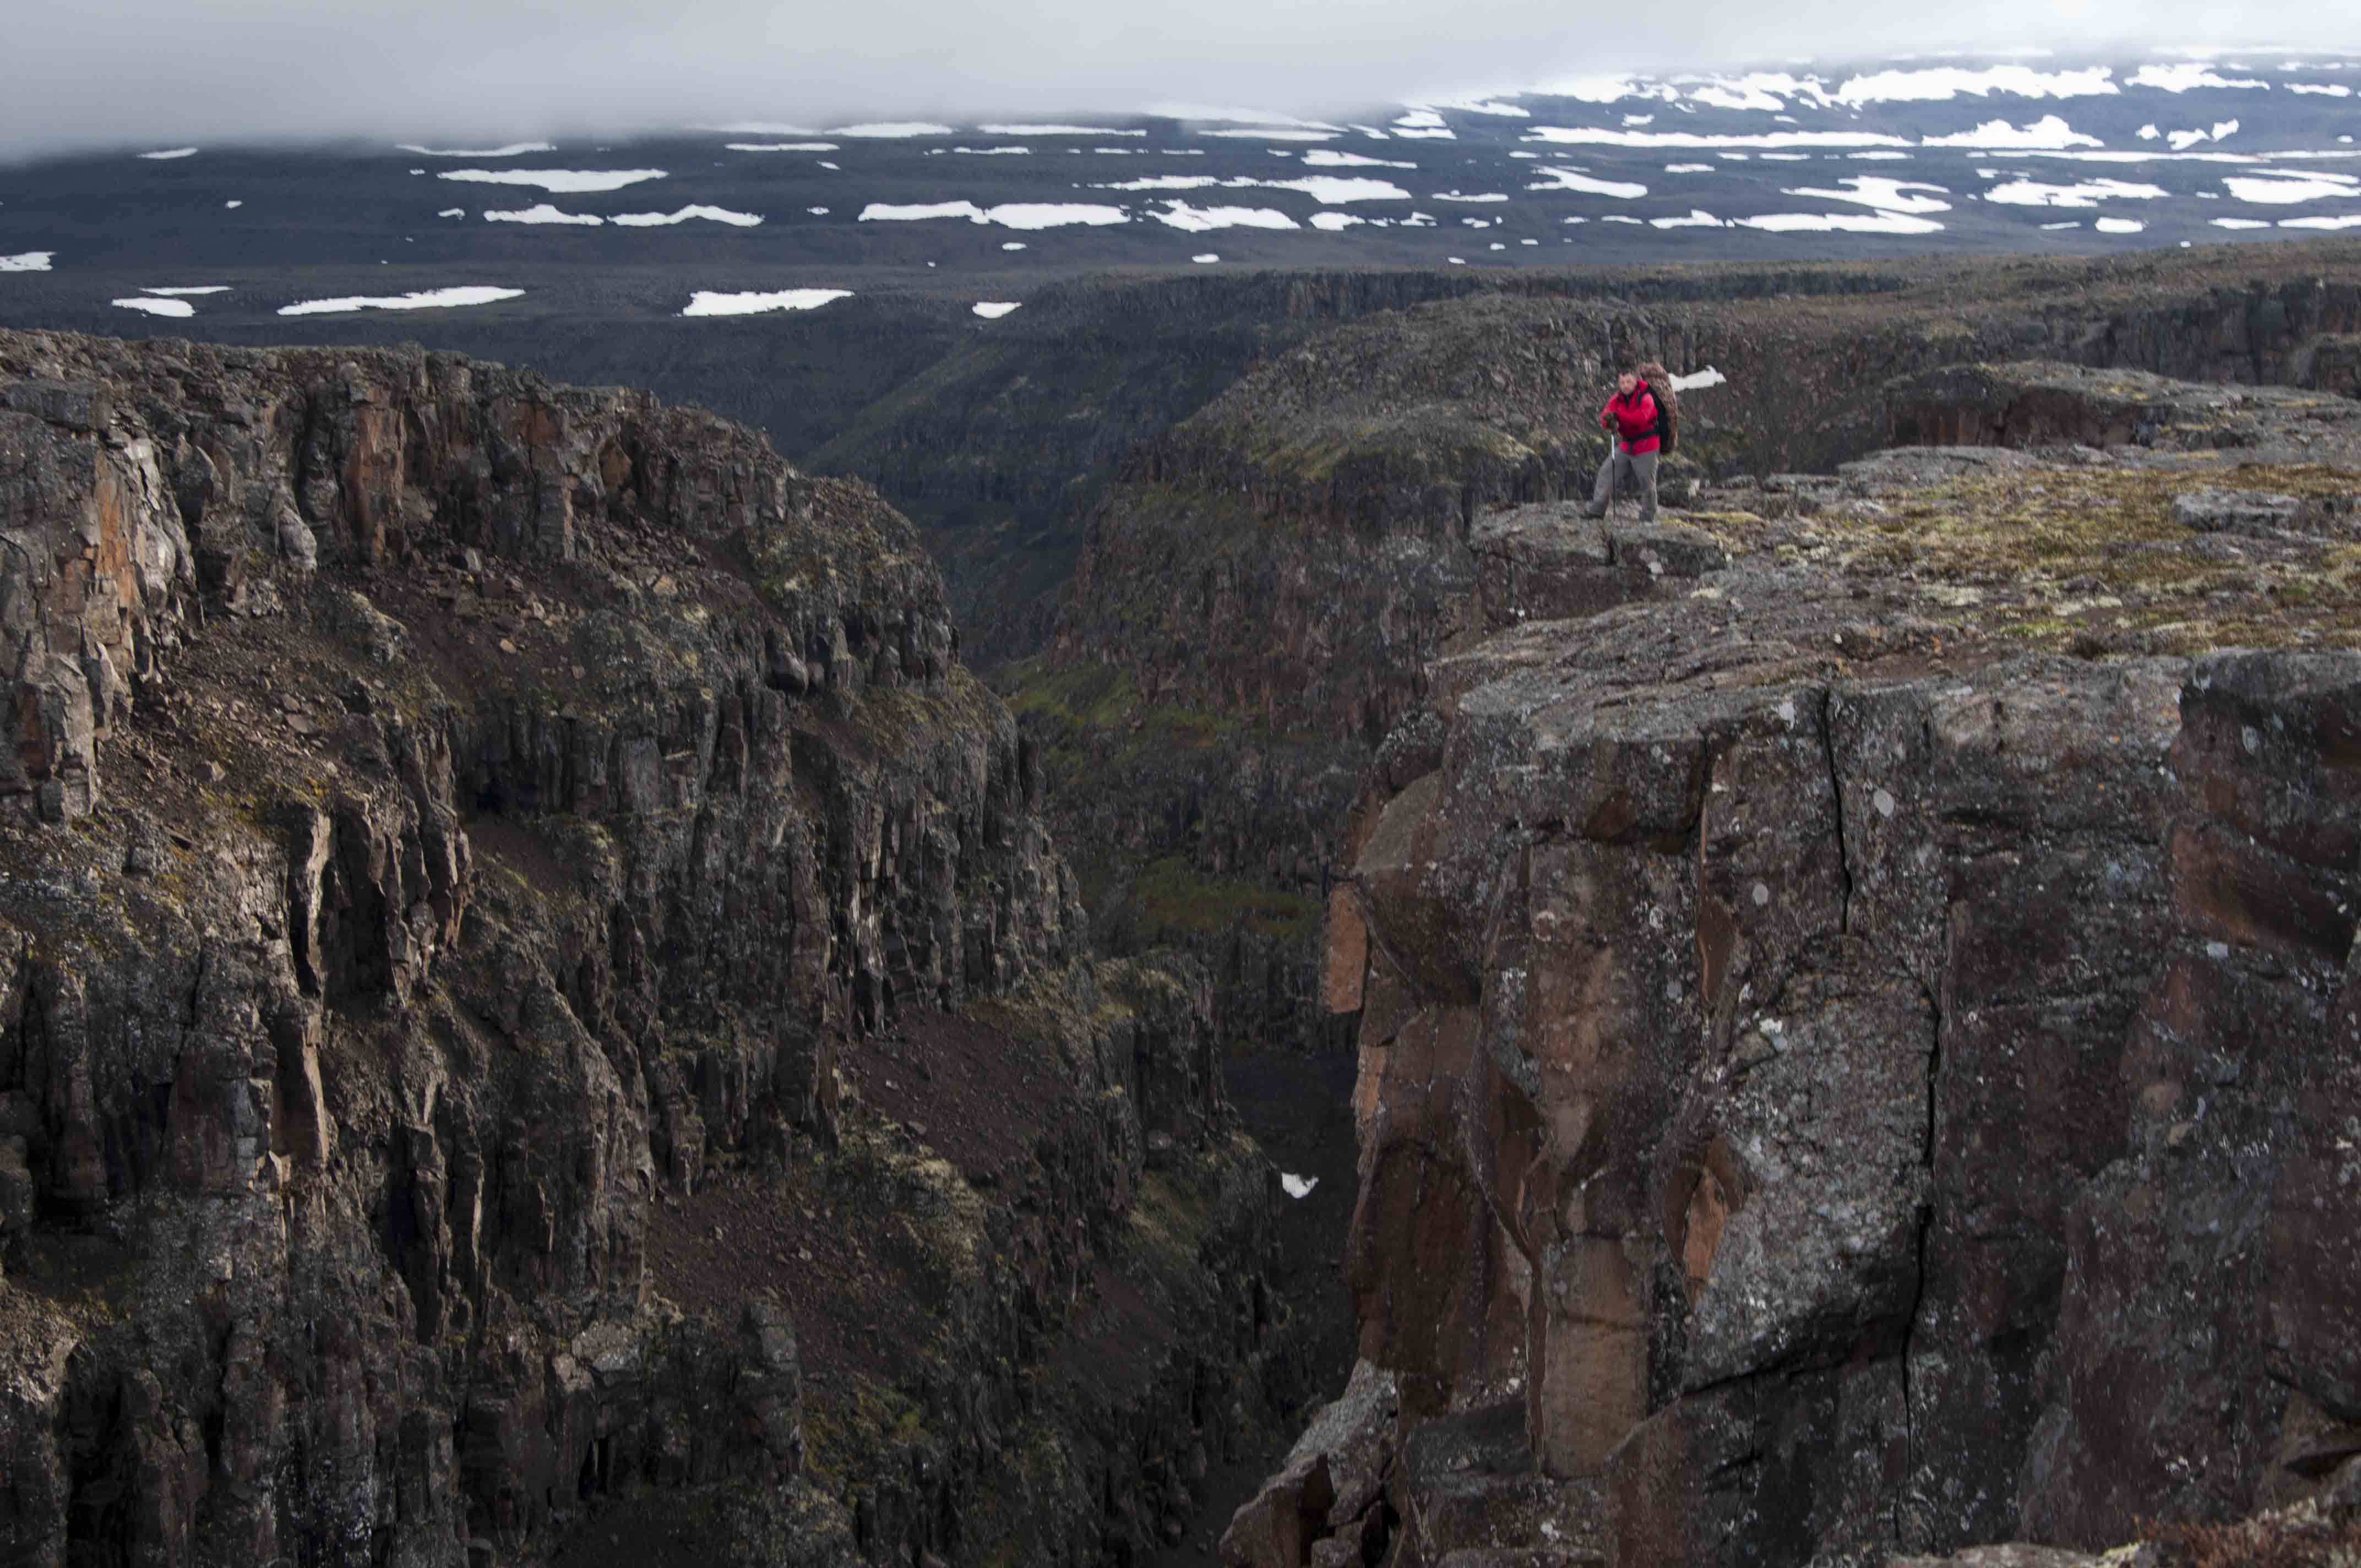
[1633, 419]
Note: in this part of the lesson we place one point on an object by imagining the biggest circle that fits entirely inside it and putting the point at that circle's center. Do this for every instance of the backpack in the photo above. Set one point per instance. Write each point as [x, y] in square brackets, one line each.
[1659, 382]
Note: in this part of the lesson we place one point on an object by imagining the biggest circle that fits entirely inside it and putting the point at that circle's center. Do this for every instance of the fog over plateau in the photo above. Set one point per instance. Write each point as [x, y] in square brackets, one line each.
[117, 72]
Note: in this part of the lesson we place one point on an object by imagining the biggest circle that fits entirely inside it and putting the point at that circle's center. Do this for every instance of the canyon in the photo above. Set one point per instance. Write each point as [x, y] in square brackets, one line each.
[551, 1015]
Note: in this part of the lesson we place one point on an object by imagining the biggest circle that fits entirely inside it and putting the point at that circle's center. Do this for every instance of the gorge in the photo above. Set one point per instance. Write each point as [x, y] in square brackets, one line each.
[550, 1014]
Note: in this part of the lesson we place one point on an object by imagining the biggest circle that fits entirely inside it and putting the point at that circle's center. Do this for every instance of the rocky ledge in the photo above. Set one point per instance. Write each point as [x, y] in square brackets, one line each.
[538, 1013]
[1855, 998]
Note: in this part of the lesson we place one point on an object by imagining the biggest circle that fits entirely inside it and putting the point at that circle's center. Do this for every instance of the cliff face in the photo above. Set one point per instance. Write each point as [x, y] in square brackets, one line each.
[484, 864]
[1838, 1078]
[1264, 591]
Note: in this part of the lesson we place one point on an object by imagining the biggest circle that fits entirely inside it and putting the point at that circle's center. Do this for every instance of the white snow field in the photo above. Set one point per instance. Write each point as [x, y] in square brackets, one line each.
[175, 292]
[156, 307]
[1328, 157]
[544, 214]
[2119, 225]
[698, 212]
[1595, 136]
[779, 147]
[1335, 223]
[704, 303]
[513, 149]
[1886, 195]
[26, 262]
[2023, 192]
[2293, 185]
[1008, 214]
[170, 153]
[1189, 219]
[1056, 131]
[2185, 74]
[1839, 222]
[1275, 134]
[1574, 179]
[1942, 84]
[429, 299]
[2049, 131]
[1202, 260]
[890, 130]
[993, 310]
[562, 181]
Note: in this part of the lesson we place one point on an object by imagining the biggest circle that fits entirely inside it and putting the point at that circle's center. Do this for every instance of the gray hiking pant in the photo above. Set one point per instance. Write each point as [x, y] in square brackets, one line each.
[1639, 467]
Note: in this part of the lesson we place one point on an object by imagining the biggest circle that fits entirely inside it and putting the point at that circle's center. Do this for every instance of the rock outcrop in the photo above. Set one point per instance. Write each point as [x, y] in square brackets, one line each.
[535, 988]
[1854, 1026]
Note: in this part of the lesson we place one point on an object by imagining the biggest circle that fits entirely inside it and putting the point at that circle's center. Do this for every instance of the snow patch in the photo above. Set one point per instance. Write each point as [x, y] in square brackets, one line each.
[2344, 221]
[545, 213]
[567, 182]
[179, 308]
[1697, 219]
[1056, 131]
[170, 152]
[2181, 141]
[1942, 84]
[1688, 169]
[513, 149]
[1202, 260]
[992, 151]
[26, 262]
[890, 130]
[993, 310]
[445, 213]
[1699, 380]
[1595, 136]
[2181, 77]
[1575, 179]
[1465, 196]
[704, 303]
[1010, 214]
[698, 212]
[174, 293]
[1280, 133]
[1238, 116]
[1162, 182]
[2088, 194]
[1886, 195]
[1325, 157]
[2293, 185]
[1203, 220]
[1334, 222]
[1296, 1186]
[2049, 131]
[1845, 223]
[780, 147]
[2323, 89]
[425, 300]
[2119, 225]
[2235, 223]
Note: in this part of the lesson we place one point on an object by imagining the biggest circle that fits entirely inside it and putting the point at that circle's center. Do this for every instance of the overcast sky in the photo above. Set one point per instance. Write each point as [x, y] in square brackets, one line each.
[116, 72]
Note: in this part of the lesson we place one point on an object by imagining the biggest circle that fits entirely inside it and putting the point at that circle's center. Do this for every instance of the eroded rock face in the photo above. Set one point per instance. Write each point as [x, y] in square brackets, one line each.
[452, 825]
[1859, 1101]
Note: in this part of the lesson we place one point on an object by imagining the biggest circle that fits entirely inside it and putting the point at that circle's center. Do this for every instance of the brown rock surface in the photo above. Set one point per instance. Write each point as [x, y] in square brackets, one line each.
[1894, 1070]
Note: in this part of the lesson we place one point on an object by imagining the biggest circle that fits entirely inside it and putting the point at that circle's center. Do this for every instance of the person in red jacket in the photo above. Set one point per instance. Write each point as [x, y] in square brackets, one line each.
[1630, 417]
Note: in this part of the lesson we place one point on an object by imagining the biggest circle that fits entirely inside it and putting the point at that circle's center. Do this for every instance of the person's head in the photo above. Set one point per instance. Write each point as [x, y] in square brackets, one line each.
[1627, 382]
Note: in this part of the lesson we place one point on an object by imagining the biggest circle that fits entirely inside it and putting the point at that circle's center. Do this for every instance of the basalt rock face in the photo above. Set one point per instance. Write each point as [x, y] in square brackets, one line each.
[468, 845]
[1840, 1076]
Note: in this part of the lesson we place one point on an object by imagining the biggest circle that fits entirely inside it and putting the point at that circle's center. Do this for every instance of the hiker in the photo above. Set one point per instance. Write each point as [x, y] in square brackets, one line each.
[1629, 419]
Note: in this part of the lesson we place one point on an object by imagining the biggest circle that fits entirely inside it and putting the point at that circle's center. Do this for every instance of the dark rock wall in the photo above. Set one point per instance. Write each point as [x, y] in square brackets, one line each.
[452, 817]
